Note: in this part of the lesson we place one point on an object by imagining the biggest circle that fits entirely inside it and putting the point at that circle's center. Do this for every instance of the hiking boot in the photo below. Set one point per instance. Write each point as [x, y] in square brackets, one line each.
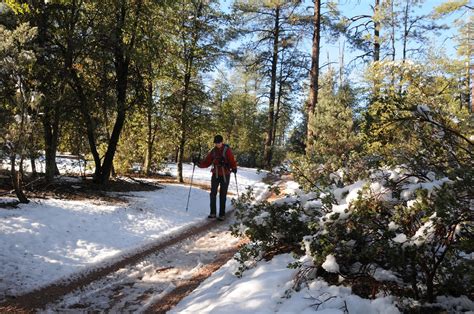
[211, 216]
[221, 218]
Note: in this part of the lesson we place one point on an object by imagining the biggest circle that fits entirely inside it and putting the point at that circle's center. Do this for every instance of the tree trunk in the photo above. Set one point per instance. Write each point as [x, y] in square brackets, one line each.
[17, 182]
[182, 142]
[429, 288]
[151, 130]
[106, 116]
[76, 84]
[20, 168]
[34, 173]
[271, 104]
[90, 127]
[376, 31]
[50, 119]
[278, 105]
[470, 87]
[393, 21]
[182, 126]
[341, 64]
[405, 32]
[314, 76]
[121, 52]
[148, 158]
[121, 87]
[51, 136]
[185, 99]
[375, 18]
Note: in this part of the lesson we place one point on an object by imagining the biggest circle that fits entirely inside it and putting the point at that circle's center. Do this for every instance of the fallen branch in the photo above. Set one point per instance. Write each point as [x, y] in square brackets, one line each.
[143, 182]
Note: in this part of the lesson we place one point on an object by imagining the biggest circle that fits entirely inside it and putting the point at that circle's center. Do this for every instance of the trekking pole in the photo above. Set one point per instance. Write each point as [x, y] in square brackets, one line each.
[190, 186]
[192, 176]
[236, 185]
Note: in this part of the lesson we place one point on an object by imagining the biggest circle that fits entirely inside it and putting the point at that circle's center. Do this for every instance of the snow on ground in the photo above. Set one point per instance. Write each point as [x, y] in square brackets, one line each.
[48, 240]
[134, 288]
[245, 177]
[267, 289]
[67, 164]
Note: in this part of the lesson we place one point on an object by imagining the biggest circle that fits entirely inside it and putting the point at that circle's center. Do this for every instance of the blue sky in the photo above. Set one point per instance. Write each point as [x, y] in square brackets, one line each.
[330, 51]
[356, 7]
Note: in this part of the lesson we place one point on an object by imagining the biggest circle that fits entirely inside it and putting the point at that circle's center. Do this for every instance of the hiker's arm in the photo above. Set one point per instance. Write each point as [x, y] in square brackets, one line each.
[206, 162]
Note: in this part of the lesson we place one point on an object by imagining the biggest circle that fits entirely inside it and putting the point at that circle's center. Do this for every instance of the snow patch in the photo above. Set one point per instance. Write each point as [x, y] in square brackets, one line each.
[330, 264]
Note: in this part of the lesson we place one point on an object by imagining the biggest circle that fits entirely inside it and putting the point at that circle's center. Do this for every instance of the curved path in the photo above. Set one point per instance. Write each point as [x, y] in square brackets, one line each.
[152, 280]
[39, 299]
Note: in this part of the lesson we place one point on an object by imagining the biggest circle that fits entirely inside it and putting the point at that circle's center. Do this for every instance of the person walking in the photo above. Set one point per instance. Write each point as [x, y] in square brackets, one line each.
[223, 163]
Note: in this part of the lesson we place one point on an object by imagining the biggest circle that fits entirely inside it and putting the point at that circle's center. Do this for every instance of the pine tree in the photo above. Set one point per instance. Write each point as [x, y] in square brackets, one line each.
[198, 41]
[268, 25]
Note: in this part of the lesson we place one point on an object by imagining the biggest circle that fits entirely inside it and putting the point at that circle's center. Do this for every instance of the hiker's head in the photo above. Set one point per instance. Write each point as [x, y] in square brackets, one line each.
[218, 141]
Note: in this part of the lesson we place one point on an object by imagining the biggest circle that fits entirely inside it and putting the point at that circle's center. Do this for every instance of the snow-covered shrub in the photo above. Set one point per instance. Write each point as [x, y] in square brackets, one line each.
[409, 230]
[423, 243]
[271, 227]
[420, 232]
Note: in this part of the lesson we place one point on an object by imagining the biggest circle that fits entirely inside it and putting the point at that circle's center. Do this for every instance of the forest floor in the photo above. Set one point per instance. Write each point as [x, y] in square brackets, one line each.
[153, 278]
[156, 278]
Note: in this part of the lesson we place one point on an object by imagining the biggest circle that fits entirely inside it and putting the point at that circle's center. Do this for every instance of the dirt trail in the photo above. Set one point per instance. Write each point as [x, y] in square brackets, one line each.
[185, 287]
[138, 287]
[38, 299]
[152, 280]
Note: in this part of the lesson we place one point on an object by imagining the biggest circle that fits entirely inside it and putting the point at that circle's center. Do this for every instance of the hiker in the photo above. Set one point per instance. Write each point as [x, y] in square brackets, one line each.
[223, 163]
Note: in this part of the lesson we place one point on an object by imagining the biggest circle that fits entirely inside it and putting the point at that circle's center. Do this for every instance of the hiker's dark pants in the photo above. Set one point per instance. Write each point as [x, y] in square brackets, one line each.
[224, 183]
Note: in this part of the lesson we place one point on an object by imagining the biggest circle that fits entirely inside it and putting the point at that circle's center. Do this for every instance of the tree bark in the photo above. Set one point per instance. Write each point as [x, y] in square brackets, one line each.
[148, 158]
[34, 173]
[51, 137]
[393, 21]
[50, 119]
[182, 142]
[16, 181]
[405, 31]
[176, 152]
[430, 288]
[121, 68]
[182, 127]
[151, 129]
[185, 98]
[90, 127]
[271, 104]
[278, 104]
[376, 31]
[76, 85]
[314, 76]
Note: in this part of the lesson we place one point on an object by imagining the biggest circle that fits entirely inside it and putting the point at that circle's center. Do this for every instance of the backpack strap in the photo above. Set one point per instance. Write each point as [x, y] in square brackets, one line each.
[224, 153]
[226, 164]
[224, 156]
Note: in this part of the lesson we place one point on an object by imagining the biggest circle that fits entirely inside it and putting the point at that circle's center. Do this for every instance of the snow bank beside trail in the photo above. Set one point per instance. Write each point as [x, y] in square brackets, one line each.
[246, 177]
[265, 289]
[66, 165]
[48, 240]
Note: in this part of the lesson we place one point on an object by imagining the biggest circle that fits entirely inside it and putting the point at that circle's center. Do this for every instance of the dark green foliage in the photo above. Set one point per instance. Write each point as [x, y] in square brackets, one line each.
[236, 115]
[271, 227]
[409, 231]
[336, 143]
[296, 142]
